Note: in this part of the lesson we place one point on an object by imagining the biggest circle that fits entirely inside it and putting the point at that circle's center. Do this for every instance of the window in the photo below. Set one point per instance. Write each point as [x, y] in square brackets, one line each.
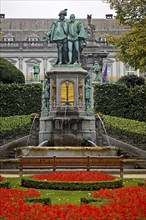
[129, 70]
[33, 39]
[102, 41]
[8, 38]
[67, 93]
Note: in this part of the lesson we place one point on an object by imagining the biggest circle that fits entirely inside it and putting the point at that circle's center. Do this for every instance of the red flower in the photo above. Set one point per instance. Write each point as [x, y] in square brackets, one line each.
[127, 203]
[79, 176]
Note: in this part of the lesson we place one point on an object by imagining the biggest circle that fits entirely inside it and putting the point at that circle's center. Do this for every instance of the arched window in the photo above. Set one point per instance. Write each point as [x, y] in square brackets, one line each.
[67, 93]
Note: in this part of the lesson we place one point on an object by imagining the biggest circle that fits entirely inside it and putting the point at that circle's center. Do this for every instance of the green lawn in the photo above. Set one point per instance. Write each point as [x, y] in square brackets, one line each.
[62, 196]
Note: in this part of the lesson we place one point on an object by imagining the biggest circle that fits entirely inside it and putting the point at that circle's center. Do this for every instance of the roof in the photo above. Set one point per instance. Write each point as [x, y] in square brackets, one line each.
[22, 28]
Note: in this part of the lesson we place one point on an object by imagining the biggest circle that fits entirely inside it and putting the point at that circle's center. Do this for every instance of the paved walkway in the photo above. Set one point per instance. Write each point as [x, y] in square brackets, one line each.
[128, 173]
[132, 176]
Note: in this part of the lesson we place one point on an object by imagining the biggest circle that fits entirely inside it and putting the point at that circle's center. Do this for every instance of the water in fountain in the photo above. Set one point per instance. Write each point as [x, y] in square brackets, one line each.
[91, 142]
[28, 140]
[65, 110]
[44, 143]
[105, 131]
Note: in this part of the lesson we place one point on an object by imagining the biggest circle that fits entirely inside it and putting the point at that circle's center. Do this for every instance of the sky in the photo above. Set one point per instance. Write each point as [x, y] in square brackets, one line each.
[50, 9]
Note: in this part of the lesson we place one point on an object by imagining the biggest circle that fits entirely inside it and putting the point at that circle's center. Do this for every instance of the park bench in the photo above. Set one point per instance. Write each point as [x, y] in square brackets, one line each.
[71, 162]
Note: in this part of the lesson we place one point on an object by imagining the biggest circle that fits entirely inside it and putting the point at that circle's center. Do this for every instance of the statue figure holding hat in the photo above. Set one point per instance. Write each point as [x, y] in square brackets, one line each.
[58, 34]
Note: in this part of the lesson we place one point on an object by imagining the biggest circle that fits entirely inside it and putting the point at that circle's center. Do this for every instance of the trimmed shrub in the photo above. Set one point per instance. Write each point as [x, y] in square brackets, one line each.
[109, 99]
[9, 73]
[86, 200]
[46, 201]
[131, 80]
[20, 99]
[14, 125]
[126, 128]
[121, 101]
[58, 185]
[137, 109]
[4, 184]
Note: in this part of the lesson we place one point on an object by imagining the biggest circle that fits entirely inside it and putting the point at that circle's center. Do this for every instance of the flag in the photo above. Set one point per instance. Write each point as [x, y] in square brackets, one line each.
[104, 74]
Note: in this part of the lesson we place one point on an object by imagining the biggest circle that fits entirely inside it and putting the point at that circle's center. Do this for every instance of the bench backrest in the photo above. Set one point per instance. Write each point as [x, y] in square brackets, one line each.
[60, 162]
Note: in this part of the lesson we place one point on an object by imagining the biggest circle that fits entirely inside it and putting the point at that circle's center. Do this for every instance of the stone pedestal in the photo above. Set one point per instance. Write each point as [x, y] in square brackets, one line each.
[68, 123]
[62, 76]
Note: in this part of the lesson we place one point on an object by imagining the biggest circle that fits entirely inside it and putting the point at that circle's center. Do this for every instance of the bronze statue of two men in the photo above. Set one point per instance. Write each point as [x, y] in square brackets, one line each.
[70, 37]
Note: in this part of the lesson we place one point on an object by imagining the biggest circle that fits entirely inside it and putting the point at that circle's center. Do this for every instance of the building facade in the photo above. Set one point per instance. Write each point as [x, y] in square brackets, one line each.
[23, 45]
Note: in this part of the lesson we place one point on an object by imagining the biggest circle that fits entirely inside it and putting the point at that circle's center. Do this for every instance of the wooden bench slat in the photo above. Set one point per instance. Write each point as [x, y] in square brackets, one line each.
[72, 162]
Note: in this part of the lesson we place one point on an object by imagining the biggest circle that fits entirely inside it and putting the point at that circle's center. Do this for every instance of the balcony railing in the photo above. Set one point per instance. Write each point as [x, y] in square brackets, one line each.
[29, 45]
[25, 45]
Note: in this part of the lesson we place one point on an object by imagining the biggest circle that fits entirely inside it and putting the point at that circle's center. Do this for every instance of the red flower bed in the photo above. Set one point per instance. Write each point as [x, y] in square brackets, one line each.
[1, 178]
[78, 176]
[127, 203]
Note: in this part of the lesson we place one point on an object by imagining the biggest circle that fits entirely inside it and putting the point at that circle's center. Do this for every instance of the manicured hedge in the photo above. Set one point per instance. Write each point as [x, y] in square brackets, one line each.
[126, 128]
[14, 125]
[10, 73]
[46, 201]
[121, 101]
[131, 80]
[110, 99]
[20, 99]
[58, 185]
[86, 200]
[138, 104]
[4, 184]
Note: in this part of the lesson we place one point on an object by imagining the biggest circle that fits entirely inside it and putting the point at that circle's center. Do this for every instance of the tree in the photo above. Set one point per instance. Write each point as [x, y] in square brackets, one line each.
[9, 73]
[129, 12]
[131, 44]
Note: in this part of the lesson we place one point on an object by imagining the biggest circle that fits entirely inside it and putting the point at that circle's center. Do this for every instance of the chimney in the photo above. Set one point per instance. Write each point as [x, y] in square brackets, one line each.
[109, 16]
[2, 15]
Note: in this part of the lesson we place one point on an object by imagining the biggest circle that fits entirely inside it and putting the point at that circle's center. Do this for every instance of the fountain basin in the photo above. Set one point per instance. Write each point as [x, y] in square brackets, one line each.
[67, 131]
[66, 151]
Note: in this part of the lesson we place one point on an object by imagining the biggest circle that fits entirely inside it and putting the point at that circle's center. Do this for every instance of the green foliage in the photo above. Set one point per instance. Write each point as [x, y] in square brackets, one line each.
[57, 185]
[137, 109]
[129, 12]
[126, 128]
[20, 99]
[86, 200]
[121, 101]
[14, 125]
[131, 80]
[4, 184]
[73, 197]
[108, 99]
[132, 44]
[9, 73]
[46, 201]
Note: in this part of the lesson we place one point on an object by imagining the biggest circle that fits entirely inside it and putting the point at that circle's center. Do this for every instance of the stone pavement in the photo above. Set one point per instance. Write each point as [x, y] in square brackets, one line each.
[132, 176]
[128, 173]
